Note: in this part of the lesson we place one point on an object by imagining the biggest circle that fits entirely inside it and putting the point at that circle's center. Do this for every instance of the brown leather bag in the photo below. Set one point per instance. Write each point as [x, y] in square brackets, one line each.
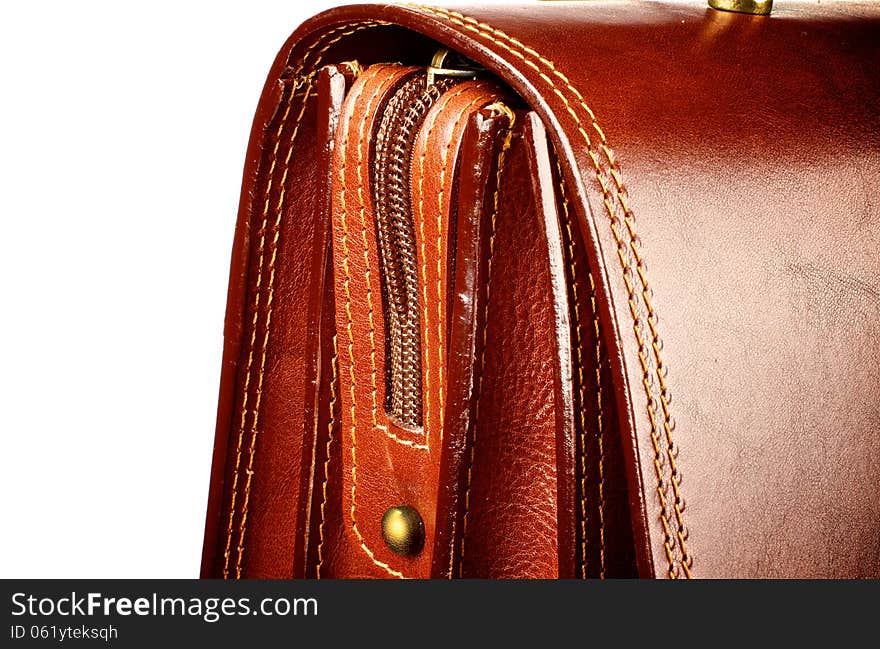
[557, 290]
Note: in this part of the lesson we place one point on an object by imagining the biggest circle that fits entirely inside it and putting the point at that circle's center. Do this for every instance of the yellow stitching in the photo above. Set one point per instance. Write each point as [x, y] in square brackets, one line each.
[637, 326]
[249, 472]
[440, 297]
[345, 30]
[651, 316]
[457, 18]
[424, 268]
[421, 211]
[580, 370]
[424, 271]
[256, 306]
[441, 259]
[367, 282]
[499, 170]
[343, 210]
[599, 429]
[334, 367]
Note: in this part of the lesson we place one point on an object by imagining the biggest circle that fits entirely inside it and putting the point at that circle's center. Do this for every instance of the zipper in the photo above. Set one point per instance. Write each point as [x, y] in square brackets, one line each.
[403, 116]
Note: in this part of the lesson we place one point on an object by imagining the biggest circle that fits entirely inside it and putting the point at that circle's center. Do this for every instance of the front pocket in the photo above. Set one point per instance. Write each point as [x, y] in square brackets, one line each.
[397, 167]
[401, 120]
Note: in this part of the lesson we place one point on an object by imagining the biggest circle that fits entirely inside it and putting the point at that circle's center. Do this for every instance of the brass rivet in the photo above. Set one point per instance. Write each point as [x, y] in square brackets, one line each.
[403, 530]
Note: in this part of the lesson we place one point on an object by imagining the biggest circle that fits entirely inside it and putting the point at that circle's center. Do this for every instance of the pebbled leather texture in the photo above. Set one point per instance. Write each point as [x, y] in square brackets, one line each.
[720, 176]
[512, 514]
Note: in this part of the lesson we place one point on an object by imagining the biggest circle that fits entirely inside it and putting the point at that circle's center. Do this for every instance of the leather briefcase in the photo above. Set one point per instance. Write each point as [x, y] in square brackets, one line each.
[584, 289]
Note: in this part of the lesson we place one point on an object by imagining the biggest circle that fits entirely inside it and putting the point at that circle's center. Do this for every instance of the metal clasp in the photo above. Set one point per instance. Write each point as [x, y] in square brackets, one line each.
[755, 7]
[446, 63]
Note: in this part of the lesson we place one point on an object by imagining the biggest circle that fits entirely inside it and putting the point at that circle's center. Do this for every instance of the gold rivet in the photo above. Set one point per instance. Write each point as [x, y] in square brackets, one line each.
[403, 530]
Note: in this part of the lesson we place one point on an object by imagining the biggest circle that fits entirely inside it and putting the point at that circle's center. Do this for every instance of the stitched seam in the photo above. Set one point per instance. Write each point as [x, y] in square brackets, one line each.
[600, 441]
[599, 413]
[581, 385]
[445, 100]
[424, 268]
[686, 561]
[499, 170]
[441, 370]
[435, 115]
[347, 284]
[249, 472]
[439, 297]
[614, 172]
[271, 287]
[441, 260]
[336, 34]
[256, 306]
[331, 421]
[580, 371]
[334, 368]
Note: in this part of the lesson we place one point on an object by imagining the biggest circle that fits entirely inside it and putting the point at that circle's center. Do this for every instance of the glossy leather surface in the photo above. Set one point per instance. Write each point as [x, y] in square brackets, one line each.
[723, 174]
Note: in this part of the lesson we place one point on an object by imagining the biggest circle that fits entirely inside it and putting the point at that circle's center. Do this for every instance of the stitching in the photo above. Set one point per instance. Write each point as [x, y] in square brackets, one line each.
[256, 306]
[580, 370]
[301, 80]
[440, 260]
[445, 100]
[499, 170]
[457, 122]
[599, 414]
[486, 31]
[249, 472]
[355, 67]
[347, 284]
[424, 267]
[334, 365]
[600, 441]
[622, 254]
[367, 283]
[307, 81]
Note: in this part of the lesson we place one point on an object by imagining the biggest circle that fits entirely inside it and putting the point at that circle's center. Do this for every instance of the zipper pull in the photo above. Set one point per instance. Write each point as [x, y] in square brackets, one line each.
[446, 63]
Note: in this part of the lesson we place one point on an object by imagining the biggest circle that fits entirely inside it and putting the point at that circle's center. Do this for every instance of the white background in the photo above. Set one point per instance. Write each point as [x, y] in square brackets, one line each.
[123, 130]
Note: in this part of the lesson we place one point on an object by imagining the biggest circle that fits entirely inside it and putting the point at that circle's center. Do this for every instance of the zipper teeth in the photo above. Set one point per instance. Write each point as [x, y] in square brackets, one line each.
[402, 117]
